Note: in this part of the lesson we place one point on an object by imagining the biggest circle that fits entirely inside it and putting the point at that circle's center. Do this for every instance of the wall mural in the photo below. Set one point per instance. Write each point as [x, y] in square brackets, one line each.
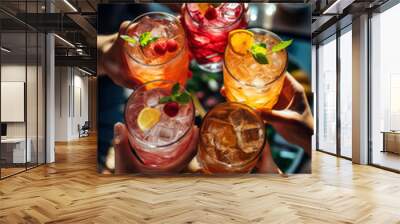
[204, 88]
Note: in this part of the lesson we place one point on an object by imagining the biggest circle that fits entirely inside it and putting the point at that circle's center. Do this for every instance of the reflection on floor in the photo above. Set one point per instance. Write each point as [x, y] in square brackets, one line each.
[386, 159]
[11, 169]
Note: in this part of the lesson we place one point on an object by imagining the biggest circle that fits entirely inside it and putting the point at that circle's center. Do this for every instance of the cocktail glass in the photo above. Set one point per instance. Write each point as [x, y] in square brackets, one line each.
[166, 140]
[207, 35]
[249, 82]
[232, 139]
[145, 63]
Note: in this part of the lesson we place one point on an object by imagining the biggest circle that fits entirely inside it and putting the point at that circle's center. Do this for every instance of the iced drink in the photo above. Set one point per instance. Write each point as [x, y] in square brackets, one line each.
[254, 67]
[161, 128]
[156, 49]
[232, 136]
[207, 26]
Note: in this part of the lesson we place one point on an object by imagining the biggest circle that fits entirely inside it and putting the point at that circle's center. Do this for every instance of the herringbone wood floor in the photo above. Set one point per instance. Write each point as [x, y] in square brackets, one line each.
[70, 191]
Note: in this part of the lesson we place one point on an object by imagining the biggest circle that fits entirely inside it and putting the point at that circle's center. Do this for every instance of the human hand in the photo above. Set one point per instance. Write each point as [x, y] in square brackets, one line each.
[291, 116]
[126, 161]
[266, 163]
[112, 60]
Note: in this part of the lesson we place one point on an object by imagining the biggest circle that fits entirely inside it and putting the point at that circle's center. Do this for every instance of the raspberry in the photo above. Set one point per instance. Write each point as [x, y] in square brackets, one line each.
[160, 47]
[211, 13]
[171, 109]
[172, 45]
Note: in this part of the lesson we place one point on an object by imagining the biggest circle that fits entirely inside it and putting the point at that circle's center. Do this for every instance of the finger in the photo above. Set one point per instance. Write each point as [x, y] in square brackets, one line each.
[119, 43]
[114, 71]
[123, 30]
[116, 67]
[278, 116]
[125, 161]
[286, 94]
[123, 27]
[266, 164]
[296, 86]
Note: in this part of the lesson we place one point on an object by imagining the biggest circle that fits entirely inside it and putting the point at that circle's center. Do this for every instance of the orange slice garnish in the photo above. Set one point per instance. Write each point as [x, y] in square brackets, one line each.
[241, 41]
[203, 7]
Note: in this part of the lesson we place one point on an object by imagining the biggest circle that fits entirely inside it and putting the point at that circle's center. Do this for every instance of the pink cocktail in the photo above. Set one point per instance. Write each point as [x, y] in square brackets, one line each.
[161, 130]
[207, 26]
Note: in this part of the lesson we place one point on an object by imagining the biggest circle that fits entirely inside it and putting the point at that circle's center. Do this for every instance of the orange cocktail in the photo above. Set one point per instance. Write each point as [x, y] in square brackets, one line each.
[232, 138]
[254, 67]
[156, 48]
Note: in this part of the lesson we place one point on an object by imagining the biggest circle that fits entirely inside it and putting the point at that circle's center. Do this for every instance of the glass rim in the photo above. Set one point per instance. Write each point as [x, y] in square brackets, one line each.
[268, 83]
[218, 27]
[135, 20]
[137, 137]
[258, 118]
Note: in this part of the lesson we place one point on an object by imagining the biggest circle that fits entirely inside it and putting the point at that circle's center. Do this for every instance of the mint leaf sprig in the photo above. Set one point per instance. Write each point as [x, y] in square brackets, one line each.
[282, 45]
[260, 51]
[144, 39]
[129, 39]
[182, 97]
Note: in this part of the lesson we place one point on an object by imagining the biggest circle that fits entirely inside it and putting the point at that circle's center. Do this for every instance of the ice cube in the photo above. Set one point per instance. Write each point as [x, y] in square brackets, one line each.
[145, 25]
[228, 12]
[223, 132]
[160, 135]
[184, 110]
[232, 5]
[152, 98]
[236, 117]
[229, 155]
[250, 140]
[249, 136]
[208, 139]
[215, 126]
[151, 135]
[258, 82]
[208, 144]
[166, 134]
[159, 31]
[231, 11]
[200, 39]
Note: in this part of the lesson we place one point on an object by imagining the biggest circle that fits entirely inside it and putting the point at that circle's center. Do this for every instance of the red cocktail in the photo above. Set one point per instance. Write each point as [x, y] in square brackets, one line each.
[207, 26]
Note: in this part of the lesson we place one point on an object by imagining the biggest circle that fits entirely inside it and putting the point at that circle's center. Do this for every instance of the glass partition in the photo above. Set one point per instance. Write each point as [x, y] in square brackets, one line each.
[326, 96]
[385, 89]
[31, 99]
[41, 97]
[22, 91]
[14, 153]
[346, 93]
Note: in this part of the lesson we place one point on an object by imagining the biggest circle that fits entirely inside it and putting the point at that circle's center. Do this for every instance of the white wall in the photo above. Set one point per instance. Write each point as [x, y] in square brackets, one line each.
[70, 83]
[14, 73]
[34, 125]
[61, 103]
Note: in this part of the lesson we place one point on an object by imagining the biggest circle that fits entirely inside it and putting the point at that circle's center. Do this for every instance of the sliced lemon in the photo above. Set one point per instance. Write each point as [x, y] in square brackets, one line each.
[148, 117]
[241, 40]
